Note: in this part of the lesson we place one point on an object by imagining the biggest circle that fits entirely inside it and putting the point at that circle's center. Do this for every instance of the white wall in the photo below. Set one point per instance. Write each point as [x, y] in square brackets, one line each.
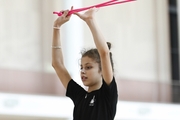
[33, 107]
[138, 32]
[20, 34]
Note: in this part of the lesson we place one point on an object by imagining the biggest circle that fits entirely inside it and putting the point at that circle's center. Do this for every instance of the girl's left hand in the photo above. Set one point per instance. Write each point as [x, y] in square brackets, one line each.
[88, 14]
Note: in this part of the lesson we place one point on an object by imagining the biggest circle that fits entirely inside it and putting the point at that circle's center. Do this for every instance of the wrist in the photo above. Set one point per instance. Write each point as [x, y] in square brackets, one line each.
[90, 21]
[56, 47]
[56, 28]
[56, 25]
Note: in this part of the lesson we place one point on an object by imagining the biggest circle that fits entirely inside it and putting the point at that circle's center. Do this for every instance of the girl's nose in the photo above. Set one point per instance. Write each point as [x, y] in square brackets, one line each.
[82, 71]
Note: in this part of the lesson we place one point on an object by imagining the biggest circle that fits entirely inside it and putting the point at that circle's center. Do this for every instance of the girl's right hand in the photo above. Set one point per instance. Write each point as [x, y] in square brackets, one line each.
[63, 18]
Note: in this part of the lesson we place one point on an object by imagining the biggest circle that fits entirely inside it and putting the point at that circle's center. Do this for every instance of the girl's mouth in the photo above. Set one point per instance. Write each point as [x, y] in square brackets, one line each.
[84, 78]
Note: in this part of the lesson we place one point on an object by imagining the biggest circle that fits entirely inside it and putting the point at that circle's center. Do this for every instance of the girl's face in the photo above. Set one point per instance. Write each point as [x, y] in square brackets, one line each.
[90, 74]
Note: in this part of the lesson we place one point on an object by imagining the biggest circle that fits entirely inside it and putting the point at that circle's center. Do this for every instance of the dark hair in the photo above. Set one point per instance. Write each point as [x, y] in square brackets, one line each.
[93, 54]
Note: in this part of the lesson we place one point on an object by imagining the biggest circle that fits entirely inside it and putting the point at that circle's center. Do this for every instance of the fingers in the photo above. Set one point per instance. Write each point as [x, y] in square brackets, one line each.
[72, 7]
[96, 9]
[65, 13]
[76, 13]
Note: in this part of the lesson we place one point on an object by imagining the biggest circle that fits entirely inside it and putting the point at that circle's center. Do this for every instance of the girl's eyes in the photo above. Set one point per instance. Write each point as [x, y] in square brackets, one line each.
[87, 67]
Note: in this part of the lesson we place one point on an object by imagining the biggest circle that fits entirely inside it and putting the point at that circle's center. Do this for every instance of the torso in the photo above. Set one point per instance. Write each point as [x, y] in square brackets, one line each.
[96, 105]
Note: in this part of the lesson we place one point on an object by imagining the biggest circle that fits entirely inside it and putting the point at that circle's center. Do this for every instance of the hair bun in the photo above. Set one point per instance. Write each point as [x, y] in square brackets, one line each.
[109, 45]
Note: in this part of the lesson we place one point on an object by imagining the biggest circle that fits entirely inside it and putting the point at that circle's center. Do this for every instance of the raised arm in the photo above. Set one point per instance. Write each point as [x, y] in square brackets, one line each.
[57, 55]
[100, 43]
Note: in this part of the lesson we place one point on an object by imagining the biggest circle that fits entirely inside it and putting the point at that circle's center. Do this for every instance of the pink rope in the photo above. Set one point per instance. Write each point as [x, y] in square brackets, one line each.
[104, 4]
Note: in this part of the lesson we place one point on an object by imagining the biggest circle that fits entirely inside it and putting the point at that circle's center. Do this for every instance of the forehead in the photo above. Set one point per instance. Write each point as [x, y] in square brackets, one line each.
[87, 60]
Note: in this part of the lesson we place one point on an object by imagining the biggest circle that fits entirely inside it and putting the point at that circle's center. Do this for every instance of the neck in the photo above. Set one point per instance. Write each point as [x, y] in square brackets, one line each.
[95, 86]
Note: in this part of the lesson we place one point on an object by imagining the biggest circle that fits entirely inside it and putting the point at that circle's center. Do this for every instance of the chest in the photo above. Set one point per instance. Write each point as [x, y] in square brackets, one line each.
[88, 102]
[91, 106]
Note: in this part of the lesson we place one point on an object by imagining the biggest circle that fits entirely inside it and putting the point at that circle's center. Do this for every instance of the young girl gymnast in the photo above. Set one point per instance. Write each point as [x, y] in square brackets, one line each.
[100, 100]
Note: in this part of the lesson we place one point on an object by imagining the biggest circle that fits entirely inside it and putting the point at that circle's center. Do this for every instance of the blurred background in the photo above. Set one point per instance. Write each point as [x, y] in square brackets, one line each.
[145, 46]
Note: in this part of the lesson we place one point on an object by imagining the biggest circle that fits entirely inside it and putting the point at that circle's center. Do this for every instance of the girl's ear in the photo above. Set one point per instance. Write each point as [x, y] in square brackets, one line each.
[101, 75]
[100, 71]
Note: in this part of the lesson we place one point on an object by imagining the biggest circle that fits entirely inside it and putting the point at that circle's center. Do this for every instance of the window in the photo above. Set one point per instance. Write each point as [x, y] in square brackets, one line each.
[174, 50]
